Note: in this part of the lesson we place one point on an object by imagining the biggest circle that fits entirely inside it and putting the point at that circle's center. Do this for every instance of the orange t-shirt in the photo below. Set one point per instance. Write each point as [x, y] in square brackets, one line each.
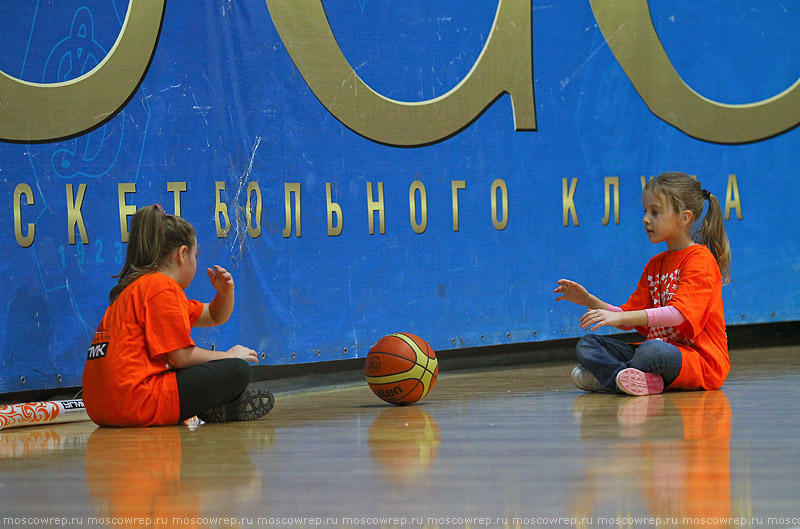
[690, 281]
[127, 380]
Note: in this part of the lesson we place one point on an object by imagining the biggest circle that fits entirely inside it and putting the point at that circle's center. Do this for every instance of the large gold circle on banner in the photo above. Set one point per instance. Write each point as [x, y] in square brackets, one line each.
[628, 29]
[42, 112]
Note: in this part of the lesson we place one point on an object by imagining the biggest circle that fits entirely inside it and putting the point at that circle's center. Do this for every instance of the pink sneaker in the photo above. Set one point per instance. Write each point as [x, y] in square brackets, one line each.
[635, 382]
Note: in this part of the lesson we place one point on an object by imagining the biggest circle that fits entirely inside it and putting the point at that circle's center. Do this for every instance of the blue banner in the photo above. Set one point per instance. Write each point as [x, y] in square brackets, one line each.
[369, 167]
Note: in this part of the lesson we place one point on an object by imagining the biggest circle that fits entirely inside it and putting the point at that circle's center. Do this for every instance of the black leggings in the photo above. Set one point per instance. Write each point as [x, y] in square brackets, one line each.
[206, 385]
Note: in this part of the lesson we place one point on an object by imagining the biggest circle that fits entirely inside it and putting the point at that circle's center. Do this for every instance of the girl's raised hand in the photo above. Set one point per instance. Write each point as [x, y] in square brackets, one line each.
[572, 291]
[221, 279]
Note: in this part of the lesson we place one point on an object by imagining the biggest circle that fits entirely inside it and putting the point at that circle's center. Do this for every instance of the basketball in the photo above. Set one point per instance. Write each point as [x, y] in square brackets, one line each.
[401, 368]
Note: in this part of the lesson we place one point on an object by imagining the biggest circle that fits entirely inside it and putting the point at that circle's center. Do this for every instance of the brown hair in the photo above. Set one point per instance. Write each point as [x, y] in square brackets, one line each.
[153, 236]
[684, 192]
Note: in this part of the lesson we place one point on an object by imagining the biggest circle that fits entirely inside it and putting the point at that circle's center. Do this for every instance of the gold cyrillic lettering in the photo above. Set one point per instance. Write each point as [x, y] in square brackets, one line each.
[376, 205]
[125, 211]
[288, 189]
[568, 201]
[74, 216]
[645, 180]
[420, 227]
[221, 208]
[333, 209]
[732, 200]
[177, 188]
[609, 182]
[24, 241]
[455, 185]
[255, 232]
[501, 185]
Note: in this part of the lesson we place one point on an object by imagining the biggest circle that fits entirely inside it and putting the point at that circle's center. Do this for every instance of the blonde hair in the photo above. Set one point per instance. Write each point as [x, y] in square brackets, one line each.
[153, 236]
[683, 193]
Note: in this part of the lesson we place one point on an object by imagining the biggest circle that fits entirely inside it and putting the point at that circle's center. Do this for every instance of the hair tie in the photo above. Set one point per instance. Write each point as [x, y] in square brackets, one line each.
[706, 194]
[159, 208]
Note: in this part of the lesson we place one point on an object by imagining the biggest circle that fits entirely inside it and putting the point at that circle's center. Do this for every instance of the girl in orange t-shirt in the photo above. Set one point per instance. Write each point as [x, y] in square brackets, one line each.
[677, 304]
[143, 369]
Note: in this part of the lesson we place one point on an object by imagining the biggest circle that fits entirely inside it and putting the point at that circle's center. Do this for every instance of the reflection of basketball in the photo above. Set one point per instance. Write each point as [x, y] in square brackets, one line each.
[404, 443]
[401, 368]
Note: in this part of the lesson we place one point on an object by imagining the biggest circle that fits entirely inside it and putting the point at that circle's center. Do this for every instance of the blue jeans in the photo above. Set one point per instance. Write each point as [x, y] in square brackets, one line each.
[605, 357]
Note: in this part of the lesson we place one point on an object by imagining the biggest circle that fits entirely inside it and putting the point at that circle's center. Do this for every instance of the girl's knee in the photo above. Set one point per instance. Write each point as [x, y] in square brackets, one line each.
[585, 345]
[645, 355]
[656, 349]
[243, 371]
[237, 372]
[653, 353]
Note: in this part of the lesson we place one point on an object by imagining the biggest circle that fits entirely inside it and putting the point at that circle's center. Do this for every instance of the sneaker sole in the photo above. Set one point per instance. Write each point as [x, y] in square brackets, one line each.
[251, 405]
[637, 383]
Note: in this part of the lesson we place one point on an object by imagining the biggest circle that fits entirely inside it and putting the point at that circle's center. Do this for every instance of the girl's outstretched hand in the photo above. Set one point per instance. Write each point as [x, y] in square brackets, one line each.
[221, 279]
[572, 291]
[596, 318]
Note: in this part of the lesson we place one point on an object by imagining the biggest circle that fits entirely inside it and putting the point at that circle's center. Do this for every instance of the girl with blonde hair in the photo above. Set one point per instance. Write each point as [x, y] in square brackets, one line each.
[677, 304]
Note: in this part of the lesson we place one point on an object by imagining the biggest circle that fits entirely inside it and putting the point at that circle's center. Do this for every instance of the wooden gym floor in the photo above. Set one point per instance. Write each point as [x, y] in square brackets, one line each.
[517, 447]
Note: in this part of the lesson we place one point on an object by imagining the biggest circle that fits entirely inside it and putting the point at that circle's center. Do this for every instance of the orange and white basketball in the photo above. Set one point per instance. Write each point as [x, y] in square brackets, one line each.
[401, 368]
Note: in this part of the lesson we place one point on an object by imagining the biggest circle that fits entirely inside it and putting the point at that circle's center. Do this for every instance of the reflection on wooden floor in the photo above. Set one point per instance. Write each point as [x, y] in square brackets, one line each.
[679, 466]
[509, 448]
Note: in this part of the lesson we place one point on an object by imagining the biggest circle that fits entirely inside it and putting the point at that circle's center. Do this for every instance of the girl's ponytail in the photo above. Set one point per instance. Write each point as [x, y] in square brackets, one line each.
[712, 234]
[153, 235]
